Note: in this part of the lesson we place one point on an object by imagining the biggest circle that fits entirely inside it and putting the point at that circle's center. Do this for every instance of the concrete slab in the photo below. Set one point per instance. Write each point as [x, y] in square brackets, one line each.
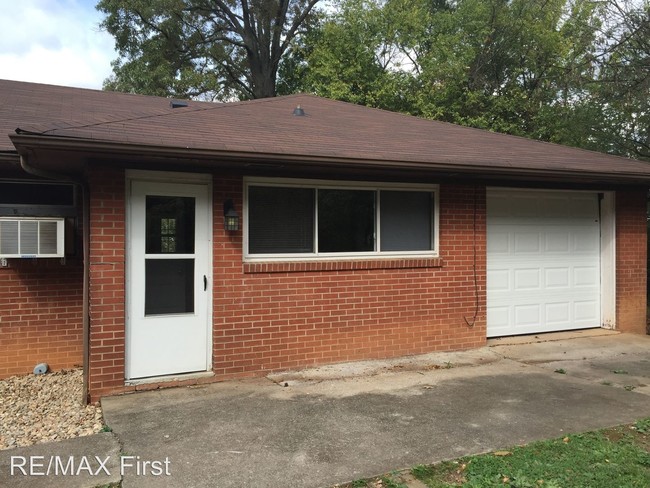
[422, 362]
[339, 423]
[74, 463]
[617, 360]
[320, 431]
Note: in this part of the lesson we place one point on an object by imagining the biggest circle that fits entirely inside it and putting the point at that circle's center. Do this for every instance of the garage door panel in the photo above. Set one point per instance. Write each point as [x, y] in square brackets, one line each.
[586, 241]
[500, 206]
[586, 311]
[582, 206]
[554, 207]
[498, 244]
[500, 317]
[559, 242]
[543, 279]
[500, 279]
[586, 276]
[528, 315]
[570, 239]
[558, 314]
[526, 242]
[556, 277]
[543, 266]
[527, 279]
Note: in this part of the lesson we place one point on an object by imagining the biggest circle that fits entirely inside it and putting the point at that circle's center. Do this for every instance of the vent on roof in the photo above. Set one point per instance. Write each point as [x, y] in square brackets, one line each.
[177, 103]
[298, 111]
[31, 238]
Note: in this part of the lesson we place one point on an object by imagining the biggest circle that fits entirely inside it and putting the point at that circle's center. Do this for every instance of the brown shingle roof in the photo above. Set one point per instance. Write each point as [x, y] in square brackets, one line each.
[26, 104]
[267, 128]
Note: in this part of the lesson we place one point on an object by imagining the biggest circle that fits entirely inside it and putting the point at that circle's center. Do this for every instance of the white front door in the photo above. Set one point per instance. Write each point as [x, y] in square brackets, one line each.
[543, 261]
[169, 279]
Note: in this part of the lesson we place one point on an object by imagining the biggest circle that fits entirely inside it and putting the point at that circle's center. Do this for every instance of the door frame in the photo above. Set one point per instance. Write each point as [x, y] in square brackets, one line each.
[167, 177]
[607, 243]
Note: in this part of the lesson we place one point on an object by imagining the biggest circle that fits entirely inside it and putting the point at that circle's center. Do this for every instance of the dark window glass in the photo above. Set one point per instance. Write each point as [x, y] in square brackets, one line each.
[13, 193]
[280, 220]
[406, 220]
[346, 220]
[169, 285]
[170, 225]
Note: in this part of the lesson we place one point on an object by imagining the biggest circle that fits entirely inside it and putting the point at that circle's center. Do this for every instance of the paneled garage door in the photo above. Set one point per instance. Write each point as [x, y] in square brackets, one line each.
[543, 261]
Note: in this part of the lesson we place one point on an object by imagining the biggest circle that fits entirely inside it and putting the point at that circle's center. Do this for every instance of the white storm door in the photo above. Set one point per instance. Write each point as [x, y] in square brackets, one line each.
[169, 262]
[543, 261]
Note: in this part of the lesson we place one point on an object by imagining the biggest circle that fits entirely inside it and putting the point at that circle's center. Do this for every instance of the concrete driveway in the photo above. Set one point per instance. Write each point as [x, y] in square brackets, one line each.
[339, 423]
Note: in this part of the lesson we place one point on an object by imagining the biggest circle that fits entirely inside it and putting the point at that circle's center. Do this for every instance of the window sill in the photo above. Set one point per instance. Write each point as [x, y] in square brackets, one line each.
[343, 265]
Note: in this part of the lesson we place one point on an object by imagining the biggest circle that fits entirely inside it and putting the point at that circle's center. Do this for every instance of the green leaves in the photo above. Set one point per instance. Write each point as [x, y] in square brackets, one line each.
[219, 49]
[546, 70]
[573, 72]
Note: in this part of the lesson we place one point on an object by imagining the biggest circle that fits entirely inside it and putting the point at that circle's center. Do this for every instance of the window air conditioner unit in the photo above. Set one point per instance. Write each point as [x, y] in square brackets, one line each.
[32, 238]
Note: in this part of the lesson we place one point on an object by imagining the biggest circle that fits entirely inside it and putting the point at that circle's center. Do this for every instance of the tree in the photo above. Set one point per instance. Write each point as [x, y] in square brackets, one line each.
[219, 49]
[621, 88]
[358, 54]
[516, 66]
[512, 66]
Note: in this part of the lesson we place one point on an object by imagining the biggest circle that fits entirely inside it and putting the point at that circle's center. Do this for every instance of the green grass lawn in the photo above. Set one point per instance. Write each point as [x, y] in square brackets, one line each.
[617, 457]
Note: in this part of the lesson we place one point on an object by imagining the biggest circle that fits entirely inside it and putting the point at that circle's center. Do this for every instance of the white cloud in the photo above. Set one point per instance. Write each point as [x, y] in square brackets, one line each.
[54, 41]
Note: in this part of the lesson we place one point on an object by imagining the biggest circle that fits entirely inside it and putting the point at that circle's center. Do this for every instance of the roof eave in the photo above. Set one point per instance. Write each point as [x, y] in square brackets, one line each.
[87, 149]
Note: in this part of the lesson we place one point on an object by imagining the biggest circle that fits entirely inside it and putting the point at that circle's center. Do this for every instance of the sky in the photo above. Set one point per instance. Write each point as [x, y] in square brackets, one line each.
[57, 42]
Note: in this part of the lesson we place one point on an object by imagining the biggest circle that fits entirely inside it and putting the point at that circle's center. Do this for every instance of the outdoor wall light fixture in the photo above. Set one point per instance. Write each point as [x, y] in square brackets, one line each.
[230, 217]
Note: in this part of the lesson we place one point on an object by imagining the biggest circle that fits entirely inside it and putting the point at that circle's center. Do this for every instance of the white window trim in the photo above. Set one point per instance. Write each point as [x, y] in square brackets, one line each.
[342, 185]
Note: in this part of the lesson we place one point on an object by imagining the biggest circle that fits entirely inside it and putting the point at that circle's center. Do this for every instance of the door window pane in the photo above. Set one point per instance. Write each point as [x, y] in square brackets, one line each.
[169, 286]
[170, 225]
[406, 220]
[346, 220]
[280, 220]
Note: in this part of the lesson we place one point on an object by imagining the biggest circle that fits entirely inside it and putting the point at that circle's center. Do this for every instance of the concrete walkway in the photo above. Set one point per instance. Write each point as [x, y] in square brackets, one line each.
[339, 423]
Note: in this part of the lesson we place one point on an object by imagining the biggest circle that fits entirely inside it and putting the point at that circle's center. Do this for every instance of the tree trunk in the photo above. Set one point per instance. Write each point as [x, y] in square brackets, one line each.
[262, 78]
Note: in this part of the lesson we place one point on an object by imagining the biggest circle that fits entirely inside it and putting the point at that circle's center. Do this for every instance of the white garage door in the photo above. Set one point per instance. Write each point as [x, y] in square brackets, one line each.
[543, 261]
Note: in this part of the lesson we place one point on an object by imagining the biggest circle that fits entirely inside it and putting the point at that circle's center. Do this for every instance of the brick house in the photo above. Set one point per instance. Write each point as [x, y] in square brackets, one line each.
[160, 242]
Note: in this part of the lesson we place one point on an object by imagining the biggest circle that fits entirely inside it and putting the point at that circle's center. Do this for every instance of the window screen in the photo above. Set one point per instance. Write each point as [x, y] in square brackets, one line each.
[280, 220]
[406, 220]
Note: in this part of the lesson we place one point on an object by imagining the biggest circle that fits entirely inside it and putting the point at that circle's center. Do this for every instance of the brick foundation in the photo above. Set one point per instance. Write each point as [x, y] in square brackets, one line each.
[40, 315]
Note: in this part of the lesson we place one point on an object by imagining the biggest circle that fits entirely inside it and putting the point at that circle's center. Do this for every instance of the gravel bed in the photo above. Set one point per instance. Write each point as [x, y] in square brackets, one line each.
[44, 408]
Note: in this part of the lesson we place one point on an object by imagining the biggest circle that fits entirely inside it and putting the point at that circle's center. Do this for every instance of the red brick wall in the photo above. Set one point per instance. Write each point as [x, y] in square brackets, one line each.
[107, 269]
[271, 317]
[40, 315]
[631, 252]
[277, 316]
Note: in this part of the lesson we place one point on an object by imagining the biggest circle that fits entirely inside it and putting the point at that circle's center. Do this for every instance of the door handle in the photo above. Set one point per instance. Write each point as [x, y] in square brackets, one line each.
[205, 282]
